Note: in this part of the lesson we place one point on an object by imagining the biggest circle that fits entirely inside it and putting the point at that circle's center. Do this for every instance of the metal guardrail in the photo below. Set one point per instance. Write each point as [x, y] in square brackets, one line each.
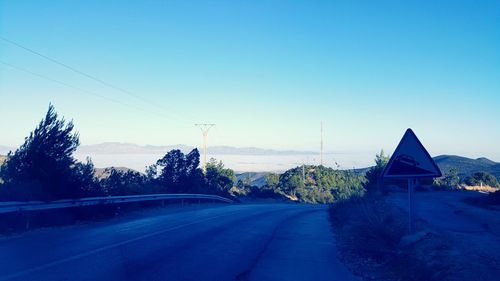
[10, 207]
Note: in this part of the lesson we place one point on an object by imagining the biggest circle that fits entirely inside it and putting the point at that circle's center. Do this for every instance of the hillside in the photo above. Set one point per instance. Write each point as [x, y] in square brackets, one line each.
[467, 166]
[2, 159]
[256, 179]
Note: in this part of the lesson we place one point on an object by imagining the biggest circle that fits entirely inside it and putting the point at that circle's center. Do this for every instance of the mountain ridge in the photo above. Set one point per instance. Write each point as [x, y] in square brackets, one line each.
[131, 148]
[467, 166]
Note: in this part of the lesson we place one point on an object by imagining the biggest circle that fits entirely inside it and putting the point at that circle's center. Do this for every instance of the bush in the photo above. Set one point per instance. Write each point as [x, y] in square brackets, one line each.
[319, 184]
[449, 181]
[125, 183]
[481, 178]
[374, 174]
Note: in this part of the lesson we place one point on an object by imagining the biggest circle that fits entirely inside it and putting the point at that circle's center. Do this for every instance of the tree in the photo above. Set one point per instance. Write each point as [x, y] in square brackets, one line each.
[272, 180]
[124, 183]
[320, 184]
[291, 181]
[373, 176]
[43, 167]
[449, 180]
[219, 180]
[178, 172]
[481, 178]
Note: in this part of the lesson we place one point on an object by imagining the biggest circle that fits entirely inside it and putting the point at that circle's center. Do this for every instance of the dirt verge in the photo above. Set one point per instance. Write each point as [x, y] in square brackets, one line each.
[374, 243]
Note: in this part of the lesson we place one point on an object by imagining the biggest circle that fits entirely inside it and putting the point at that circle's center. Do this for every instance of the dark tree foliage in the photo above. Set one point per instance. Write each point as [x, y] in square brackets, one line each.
[319, 184]
[272, 180]
[450, 180]
[374, 174]
[263, 192]
[178, 173]
[479, 178]
[125, 183]
[84, 175]
[219, 180]
[43, 168]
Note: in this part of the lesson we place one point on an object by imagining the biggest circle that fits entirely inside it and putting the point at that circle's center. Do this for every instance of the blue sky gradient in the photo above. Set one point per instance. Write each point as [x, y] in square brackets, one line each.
[267, 72]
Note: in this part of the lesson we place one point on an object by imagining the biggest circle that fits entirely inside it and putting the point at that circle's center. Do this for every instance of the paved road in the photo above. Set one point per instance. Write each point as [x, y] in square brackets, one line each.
[231, 242]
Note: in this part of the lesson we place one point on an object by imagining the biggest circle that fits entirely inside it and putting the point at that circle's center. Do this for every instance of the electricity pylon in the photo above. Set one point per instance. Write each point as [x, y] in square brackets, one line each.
[204, 129]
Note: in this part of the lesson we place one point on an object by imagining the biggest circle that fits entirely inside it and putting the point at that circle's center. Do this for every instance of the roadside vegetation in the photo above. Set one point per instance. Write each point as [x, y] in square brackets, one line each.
[370, 237]
[43, 168]
[373, 240]
[308, 184]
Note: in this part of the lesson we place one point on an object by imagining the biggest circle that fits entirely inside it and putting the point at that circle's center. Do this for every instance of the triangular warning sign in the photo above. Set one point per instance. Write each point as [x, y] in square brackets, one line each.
[411, 160]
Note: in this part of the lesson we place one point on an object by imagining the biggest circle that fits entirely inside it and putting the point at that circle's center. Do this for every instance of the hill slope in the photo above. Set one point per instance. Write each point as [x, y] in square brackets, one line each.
[257, 179]
[467, 166]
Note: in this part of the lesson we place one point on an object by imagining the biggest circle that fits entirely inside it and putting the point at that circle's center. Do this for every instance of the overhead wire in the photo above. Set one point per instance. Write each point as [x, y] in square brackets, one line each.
[89, 76]
[73, 87]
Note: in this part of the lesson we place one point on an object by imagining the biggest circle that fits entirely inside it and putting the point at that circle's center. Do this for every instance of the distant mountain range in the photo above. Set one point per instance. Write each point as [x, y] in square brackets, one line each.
[466, 166]
[129, 148]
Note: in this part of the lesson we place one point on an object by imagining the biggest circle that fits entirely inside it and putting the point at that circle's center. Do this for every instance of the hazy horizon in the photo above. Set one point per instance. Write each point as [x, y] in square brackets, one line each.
[274, 161]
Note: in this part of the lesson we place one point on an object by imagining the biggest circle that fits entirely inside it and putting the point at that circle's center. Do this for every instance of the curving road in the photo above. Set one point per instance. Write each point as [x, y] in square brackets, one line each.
[221, 242]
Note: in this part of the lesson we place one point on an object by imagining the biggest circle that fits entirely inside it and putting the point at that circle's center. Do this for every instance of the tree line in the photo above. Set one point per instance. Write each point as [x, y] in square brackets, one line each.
[448, 181]
[308, 183]
[43, 168]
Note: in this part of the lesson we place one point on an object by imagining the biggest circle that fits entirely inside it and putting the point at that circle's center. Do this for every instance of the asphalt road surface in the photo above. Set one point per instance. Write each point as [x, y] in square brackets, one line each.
[221, 242]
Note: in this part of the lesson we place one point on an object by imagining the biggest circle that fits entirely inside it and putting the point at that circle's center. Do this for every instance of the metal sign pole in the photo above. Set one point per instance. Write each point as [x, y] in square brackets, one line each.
[410, 204]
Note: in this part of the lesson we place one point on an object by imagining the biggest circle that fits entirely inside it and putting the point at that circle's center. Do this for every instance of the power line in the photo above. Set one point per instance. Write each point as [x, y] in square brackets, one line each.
[89, 76]
[71, 86]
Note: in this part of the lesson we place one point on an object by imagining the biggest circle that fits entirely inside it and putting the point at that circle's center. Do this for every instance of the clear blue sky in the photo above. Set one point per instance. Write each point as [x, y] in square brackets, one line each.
[267, 72]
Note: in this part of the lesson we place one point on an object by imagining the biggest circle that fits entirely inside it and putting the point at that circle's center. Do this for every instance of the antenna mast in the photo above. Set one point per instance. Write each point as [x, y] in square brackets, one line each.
[321, 146]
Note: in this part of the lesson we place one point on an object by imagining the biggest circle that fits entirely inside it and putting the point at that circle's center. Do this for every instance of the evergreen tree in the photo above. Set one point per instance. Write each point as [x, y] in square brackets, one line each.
[43, 168]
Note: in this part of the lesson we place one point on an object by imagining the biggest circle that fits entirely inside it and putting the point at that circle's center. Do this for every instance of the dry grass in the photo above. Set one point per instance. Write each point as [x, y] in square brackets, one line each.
[368, 234]
[484, 188]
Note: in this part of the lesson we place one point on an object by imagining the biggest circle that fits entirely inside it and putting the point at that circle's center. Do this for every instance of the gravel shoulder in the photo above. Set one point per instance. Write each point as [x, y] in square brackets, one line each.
[453, 240]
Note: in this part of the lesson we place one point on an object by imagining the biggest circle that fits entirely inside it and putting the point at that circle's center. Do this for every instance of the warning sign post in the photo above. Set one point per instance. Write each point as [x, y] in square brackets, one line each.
[411, 161]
